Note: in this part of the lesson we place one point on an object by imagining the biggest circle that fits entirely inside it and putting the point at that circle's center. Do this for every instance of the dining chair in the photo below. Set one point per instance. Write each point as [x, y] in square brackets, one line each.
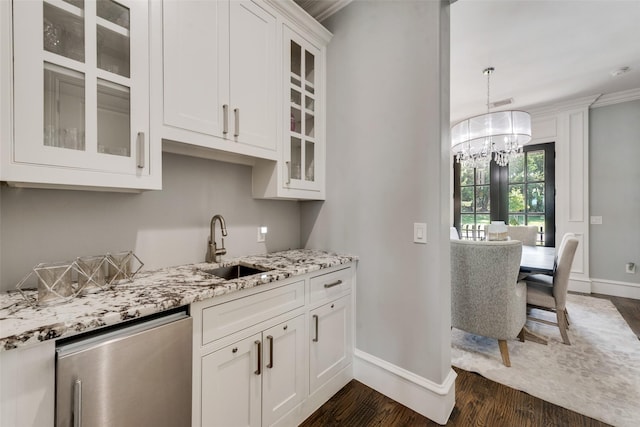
[486, 298]
[550, 292]
[527, 234]
[547, 279]
[563, 242]
[453, 233]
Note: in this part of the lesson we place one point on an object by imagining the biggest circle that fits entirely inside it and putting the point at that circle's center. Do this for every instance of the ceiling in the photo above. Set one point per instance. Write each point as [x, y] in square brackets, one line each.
[543, 51]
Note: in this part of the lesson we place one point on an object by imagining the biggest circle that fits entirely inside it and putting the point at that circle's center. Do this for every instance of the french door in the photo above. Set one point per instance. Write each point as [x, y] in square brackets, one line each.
[521, 193]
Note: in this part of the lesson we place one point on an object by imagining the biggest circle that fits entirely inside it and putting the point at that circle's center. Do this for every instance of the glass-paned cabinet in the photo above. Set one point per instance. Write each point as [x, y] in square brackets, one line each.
[303, 144]
[81, 72]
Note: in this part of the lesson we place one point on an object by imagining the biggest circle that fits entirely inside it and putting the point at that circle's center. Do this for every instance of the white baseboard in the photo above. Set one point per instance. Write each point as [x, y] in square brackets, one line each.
[582, 286]
[615, 288]
[434, 401]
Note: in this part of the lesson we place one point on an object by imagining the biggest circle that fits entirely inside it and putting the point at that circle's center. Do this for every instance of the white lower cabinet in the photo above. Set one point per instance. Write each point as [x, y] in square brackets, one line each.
[272, 356]
[331, 345]
[27, 386]
[256, 380]
[230, 390]
[283, 378]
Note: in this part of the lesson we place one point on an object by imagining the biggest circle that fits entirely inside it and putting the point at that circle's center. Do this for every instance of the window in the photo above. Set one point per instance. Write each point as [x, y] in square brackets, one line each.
[474, 201]
[521, 193]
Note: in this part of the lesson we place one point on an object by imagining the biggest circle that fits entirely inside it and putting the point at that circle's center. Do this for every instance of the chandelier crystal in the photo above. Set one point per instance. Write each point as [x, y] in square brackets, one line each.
[499, 135]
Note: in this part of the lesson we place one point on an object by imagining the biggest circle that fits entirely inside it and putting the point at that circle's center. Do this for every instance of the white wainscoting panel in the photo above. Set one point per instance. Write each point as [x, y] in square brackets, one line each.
[578, 180]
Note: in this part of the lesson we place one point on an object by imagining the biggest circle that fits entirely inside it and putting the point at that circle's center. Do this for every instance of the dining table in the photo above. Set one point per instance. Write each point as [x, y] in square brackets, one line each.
[537, 259]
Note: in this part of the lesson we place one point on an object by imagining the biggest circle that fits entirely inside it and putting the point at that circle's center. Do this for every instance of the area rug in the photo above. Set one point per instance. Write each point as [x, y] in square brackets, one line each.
[598, 375]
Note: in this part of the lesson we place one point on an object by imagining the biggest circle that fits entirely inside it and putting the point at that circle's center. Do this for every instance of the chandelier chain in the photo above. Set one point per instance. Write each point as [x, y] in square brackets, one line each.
[488, 91]
[488, 71]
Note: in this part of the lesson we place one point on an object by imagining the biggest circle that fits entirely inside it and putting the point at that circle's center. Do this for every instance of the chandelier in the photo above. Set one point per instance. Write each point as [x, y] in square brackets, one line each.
[499, 135]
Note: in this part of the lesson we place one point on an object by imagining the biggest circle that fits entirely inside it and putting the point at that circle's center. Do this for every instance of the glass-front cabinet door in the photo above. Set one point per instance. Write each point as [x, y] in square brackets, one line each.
[303, 143]
[81, 84]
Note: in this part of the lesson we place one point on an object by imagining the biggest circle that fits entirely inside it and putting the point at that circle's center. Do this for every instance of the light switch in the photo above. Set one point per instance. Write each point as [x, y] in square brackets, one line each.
[419, 232]
[596, 220]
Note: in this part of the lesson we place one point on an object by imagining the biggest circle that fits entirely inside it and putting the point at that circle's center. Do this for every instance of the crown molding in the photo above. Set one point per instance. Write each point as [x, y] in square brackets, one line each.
[327, 12]
[321, 10]
[297, 14]
[617, 97]
[571, 104]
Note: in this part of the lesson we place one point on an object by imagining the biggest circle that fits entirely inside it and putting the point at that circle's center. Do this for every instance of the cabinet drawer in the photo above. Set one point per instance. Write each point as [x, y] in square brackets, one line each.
[229, 317]
[330, 284]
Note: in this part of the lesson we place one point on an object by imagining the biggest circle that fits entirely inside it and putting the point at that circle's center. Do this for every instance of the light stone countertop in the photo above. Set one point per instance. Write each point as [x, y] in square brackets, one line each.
[22, 324]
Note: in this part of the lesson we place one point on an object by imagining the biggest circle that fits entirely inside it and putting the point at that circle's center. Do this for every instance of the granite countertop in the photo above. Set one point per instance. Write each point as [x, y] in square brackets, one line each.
[22, 324]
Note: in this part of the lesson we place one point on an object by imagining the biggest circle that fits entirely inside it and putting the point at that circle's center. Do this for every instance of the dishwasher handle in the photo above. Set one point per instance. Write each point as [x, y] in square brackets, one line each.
[77, 403]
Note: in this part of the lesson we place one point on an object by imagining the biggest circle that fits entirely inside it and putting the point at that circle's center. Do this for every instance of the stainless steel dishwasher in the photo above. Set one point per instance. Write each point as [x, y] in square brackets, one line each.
[138, 375]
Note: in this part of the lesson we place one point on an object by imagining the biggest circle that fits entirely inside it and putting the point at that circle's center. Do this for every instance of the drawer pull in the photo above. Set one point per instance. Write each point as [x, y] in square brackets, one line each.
[234, 350]
[270, 338]
[315, 318]
[332, 284]
[259, 344]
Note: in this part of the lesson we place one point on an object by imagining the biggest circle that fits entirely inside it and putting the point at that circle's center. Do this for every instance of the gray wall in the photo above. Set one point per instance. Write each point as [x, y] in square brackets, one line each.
[388, 167]
[614, 191]
[164, 228]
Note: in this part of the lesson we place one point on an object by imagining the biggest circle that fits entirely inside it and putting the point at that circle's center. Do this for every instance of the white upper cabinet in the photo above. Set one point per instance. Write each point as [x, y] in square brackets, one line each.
[80, 95]
[303, 143]
[252, 75]
[220, 83]
[299, 172]
[192, 50]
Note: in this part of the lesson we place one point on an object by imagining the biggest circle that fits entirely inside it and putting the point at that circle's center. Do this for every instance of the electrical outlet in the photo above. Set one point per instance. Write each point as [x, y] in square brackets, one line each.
[630, 268]
[262, 233]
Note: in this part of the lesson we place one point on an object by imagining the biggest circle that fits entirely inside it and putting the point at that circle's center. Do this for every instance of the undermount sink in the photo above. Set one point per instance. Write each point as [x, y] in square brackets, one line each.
[234, 271]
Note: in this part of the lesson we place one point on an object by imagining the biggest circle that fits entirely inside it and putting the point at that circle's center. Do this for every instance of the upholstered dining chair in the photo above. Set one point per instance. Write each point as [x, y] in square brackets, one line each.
[486, 298]
[527, 234]
[550, 292]
[563, 242]
[547, 279]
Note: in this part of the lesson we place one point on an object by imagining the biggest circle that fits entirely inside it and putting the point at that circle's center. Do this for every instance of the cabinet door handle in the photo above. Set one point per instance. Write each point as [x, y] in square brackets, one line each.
[236, 113]
[77, 403]
[259, 344]
[315, 319]
[331, 285]
[288, 172]
[270, 338]
[140, 150]
[225, 119]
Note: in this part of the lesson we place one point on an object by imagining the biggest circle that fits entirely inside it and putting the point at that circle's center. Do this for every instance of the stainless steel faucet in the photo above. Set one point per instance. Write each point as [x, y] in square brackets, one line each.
[213, 252]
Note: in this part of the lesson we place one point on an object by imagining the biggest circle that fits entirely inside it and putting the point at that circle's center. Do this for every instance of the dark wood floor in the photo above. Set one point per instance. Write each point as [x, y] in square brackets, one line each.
[479, 401]
[629, 309]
